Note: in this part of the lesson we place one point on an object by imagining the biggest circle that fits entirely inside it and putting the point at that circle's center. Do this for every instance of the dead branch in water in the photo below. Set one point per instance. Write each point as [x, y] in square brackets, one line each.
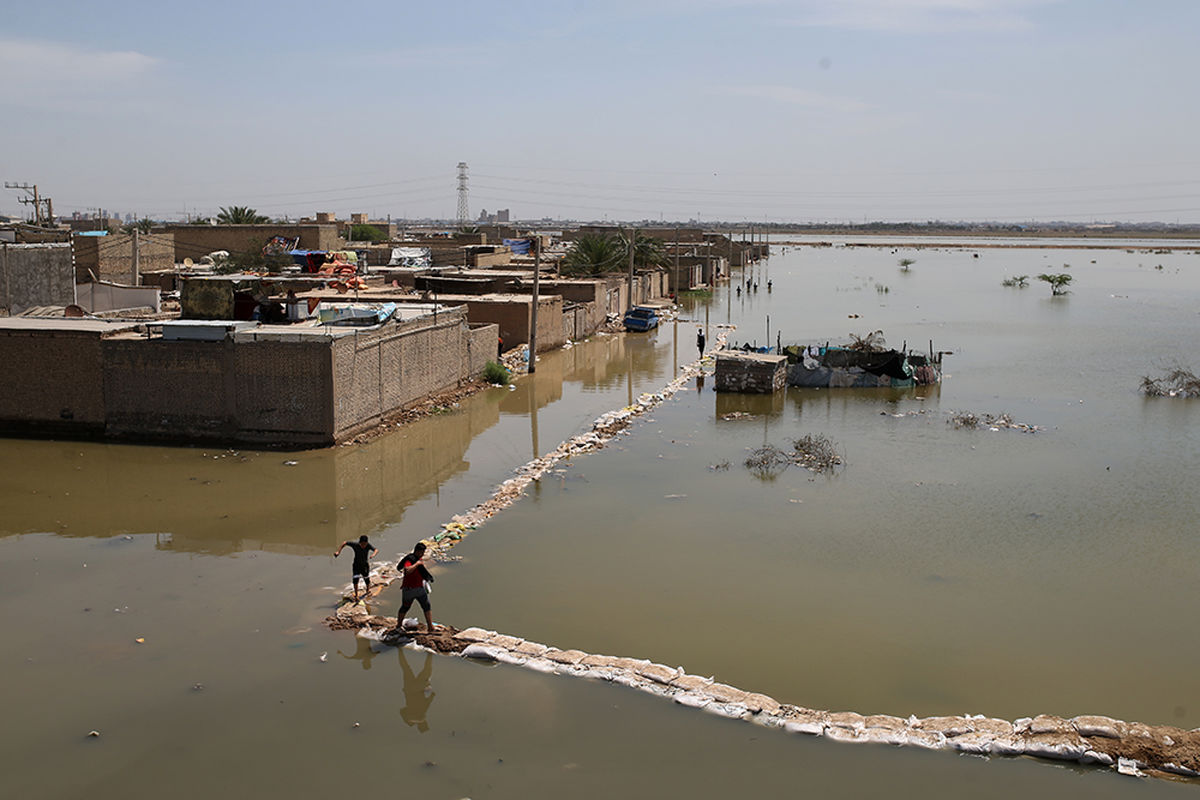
[1178, 382]
[814, 452]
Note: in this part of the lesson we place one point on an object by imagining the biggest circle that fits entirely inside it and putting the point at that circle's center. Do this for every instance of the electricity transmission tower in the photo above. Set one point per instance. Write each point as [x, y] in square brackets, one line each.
[462, 194]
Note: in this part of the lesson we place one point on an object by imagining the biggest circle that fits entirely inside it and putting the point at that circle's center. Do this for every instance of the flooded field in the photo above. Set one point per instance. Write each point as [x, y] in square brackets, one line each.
[939, 571]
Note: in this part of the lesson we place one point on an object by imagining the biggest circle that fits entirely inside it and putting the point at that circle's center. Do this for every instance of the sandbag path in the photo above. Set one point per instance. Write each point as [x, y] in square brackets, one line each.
[605, 428]
[1130, 748]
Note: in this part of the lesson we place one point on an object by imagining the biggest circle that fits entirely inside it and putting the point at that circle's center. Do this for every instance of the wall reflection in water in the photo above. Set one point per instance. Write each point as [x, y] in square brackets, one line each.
[216, 501]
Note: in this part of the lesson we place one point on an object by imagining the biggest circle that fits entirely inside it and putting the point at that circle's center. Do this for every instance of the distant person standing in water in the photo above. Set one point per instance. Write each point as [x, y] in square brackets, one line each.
[363, 550]
[700, 340]
[413, 586]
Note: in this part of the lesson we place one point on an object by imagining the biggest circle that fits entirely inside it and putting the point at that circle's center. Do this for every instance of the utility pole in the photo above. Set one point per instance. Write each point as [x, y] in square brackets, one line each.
[632, 236]
[35, 200]
[136, 257]
[677, 286]
[533, 320]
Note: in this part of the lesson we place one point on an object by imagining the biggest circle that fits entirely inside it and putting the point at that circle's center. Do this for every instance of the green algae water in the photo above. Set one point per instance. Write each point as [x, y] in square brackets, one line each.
[938, 571]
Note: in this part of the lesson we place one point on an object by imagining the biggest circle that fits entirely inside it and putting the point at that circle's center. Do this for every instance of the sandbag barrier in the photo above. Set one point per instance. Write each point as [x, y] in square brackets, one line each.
[604, 429]
[1130, 748]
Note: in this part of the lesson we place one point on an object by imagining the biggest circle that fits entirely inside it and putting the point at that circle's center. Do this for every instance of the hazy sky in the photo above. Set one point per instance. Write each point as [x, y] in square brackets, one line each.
[1005, 110]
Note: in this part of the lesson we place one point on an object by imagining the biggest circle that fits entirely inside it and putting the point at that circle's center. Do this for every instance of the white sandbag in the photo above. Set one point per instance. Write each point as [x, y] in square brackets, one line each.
[971, 743]
[1057, 750]
[482, 652]
[884, 736]
[692, 699]
[1096, 757]
[812, 727]
[840, 734]
[1006, 746]
[1178, 770]
[505, 657]
[541, 665]
[730, 710]
[1093, 725]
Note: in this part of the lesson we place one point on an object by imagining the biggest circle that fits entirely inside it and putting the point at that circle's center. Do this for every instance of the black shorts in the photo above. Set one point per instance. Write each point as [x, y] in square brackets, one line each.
[419, 594]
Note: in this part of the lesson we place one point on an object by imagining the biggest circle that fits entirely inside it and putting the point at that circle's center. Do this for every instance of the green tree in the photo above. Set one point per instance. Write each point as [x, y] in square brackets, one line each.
[905, 263]
[240, 215]
[647, 251]
[143, 225]
[1058, 282]
[366, 233]
[595, 254]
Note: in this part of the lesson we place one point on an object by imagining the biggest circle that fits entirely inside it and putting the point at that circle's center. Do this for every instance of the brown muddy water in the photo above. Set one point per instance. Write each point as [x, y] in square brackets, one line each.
[940, 571]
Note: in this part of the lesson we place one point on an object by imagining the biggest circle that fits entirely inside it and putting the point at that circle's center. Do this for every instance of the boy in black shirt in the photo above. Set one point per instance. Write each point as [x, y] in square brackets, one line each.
[361, 568]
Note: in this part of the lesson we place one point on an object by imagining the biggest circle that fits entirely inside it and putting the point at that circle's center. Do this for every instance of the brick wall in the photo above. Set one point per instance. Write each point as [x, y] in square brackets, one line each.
[53, 382]
[110, 257]
[379, 372]
[307, 392]
[197, 241]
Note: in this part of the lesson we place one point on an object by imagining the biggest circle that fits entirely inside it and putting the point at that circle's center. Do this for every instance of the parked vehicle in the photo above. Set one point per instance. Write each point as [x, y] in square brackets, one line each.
[641, 318]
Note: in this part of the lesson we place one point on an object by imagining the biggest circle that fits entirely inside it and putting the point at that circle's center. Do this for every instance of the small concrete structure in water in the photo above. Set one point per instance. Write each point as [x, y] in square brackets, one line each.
[739, 371]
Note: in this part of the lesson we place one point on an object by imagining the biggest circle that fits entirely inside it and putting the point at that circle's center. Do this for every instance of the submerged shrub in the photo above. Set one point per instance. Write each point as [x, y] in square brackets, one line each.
[495, 373]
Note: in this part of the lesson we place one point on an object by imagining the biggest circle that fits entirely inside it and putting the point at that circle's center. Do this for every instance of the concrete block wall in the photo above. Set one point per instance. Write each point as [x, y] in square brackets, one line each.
[283, 389]
[161, 389]
[482, 341]
[379, 372]
[197, 241]
[110, 257]
[750, 372]
[35, 275]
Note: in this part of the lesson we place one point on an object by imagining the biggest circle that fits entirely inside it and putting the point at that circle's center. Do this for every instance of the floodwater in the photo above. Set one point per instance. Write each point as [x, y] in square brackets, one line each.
[938, 571]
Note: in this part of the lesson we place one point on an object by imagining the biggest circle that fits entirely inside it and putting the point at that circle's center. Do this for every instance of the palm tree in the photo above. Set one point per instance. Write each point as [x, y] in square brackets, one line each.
[595, 254]
[143, 225]
[240, 215]
[1058, 282]
[647, 251]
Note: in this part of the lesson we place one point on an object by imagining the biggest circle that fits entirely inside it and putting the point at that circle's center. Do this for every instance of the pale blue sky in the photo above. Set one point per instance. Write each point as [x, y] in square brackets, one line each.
[1003, 110]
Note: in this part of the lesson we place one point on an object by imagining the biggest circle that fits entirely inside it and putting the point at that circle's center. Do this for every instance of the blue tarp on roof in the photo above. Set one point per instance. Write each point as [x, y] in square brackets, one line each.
[519, 247]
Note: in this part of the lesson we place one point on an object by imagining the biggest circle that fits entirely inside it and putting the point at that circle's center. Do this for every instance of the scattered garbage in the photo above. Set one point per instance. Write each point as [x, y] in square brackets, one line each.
[967, 419]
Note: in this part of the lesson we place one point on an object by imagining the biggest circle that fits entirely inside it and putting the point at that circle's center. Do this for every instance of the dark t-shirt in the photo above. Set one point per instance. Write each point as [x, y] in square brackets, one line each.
[416, 578]
[361, 552]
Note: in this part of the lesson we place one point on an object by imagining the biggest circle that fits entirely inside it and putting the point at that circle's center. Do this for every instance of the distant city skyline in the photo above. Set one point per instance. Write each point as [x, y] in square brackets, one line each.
[803, 111]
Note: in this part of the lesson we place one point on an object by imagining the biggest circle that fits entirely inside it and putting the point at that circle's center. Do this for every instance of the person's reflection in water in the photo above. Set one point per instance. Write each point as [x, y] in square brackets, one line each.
[417, 693]
[700, 382]
[363, 654]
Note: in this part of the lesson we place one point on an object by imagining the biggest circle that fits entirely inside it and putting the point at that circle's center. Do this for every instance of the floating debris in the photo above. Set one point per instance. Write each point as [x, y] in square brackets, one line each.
[814, 452]
[967, 419]
[1177, 382]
